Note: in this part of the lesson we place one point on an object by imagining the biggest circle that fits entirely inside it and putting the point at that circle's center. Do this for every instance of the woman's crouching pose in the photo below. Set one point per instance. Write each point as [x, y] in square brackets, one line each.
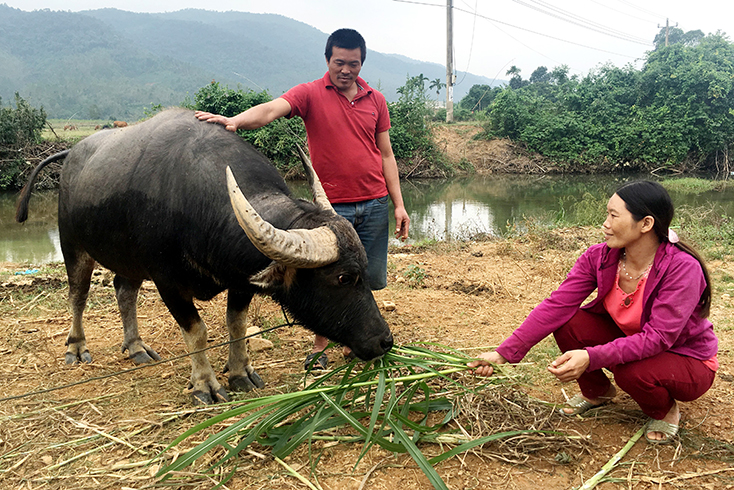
[647, 324]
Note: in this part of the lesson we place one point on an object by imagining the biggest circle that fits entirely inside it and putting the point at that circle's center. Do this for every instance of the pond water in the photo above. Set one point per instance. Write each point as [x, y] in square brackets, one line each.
[439, 209]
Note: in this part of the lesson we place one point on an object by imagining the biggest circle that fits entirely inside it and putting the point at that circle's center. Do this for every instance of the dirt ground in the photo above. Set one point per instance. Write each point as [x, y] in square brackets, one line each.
[103, 432]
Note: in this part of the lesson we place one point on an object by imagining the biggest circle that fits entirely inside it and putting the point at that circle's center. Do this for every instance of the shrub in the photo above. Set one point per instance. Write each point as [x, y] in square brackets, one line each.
[276, 140]
[20, 127]
[410, 134]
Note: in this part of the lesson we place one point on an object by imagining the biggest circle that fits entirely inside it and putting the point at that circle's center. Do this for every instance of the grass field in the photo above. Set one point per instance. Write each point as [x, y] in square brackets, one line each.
[72, 129]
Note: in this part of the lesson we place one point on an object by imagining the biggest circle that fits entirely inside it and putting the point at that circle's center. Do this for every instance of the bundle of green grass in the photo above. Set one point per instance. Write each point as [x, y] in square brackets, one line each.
[387, 402]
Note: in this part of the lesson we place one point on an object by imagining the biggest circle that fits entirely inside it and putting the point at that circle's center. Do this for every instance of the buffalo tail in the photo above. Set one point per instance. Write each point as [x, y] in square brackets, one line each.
[21, 211]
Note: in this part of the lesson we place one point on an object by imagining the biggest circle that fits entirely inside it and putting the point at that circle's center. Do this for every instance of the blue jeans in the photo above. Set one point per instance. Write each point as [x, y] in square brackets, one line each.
[370, 219]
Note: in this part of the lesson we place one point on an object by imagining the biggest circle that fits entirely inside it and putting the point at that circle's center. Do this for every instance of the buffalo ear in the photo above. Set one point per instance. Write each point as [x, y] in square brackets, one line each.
[274, 276]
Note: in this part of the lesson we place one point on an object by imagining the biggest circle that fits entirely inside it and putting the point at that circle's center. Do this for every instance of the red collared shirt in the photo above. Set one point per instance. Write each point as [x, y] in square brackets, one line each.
[342, 137]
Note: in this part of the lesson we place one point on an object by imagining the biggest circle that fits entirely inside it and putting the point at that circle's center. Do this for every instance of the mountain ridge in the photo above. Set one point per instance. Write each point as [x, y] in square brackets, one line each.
[113, 64]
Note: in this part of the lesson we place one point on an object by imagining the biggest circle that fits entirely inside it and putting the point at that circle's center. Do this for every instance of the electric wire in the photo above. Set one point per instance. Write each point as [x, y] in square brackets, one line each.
[637, 7]
[530, 48]
[566, 16]
[471, 44]
[521, 28]
[627, 14]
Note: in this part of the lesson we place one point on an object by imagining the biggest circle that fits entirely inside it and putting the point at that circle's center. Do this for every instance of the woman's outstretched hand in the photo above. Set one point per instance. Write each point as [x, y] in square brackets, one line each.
[483, 365]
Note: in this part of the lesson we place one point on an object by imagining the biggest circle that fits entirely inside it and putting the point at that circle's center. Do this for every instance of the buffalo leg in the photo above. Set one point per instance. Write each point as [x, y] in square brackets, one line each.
[205, 387]
[79, 267]
[126, 291]
[242, 376]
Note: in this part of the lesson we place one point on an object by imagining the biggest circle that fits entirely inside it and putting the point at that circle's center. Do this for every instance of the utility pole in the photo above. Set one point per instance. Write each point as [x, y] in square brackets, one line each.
[667, 30]
[449, 61]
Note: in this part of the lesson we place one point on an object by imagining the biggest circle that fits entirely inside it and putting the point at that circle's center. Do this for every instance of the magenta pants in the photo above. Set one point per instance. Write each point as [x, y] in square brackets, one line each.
[654, 383]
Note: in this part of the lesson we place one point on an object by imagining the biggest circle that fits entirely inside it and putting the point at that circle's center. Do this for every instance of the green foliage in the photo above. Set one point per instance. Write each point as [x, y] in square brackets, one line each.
[675, 35]
[692, 185]
[589, 210]
[678, 111]
[415, 275]
[479, 98]
[389, 403]
[410, 135]
[153, 110]
[19, 127]
[276, 140]
[708, 228]
[22, 125]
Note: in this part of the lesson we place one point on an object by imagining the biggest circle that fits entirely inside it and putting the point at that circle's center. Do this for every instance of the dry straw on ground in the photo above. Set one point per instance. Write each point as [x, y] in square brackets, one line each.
[103, 434]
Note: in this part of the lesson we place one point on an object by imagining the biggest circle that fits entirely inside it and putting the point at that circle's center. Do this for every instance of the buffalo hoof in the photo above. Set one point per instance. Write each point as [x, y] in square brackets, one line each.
[143, 357]
[208, 398]
[139, 352]
[246, 383]
[83, 357]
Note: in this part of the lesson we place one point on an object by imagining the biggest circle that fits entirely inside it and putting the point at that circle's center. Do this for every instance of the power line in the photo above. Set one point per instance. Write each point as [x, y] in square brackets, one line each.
[520, 28]
[621, 12]
[542, 34]
[474, 14]
[648, 12]
[471, 44]
[566, 16]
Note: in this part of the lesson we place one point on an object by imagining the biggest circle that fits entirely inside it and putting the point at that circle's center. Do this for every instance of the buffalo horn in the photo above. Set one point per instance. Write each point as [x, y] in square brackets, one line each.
[296, 248]
[319, 195]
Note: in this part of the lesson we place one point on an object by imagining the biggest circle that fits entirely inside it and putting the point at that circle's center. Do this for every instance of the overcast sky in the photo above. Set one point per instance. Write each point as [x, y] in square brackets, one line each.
[490, 36]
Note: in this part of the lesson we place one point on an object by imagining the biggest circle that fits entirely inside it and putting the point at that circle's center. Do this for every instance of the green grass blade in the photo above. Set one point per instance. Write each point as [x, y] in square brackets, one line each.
[420, 459]
[390, 446]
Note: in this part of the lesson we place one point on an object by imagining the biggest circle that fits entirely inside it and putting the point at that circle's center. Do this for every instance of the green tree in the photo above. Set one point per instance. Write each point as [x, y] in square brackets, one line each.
[410, 135]
[691, 88]
[479, 97]
[437, 85]
[20, 128]
[677, 111]
[276, 140]
[540, 75]
[677, 36]
[516, 80]
[22, 125]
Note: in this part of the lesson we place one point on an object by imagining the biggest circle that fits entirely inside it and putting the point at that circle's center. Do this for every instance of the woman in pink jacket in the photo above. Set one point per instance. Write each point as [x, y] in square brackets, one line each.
[647, 324]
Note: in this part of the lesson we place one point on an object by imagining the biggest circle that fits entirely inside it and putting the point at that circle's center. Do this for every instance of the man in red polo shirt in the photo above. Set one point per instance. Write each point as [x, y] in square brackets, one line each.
[347, 124]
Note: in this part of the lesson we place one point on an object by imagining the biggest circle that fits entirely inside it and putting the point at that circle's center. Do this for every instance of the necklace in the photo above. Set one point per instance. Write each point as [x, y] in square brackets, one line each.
[624, 268]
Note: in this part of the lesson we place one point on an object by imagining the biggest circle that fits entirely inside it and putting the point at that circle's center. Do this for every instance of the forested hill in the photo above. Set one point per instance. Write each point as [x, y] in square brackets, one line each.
[109, 63]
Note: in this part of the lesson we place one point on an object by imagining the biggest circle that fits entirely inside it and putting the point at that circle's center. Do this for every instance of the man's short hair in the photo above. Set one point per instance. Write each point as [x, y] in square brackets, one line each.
[345, 39]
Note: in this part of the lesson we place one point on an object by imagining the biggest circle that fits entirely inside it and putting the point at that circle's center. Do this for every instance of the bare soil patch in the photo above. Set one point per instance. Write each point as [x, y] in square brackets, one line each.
[458, 141]
[100, 434]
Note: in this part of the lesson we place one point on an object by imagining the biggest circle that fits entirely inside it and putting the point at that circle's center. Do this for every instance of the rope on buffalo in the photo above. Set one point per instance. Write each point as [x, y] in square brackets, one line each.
[144, 366]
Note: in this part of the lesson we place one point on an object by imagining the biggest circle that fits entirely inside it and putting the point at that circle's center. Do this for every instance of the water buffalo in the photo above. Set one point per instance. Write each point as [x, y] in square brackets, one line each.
[160, 200]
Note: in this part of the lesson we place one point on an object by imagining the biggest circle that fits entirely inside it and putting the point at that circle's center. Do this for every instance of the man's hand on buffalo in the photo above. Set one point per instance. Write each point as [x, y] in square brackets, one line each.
[228, 122]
